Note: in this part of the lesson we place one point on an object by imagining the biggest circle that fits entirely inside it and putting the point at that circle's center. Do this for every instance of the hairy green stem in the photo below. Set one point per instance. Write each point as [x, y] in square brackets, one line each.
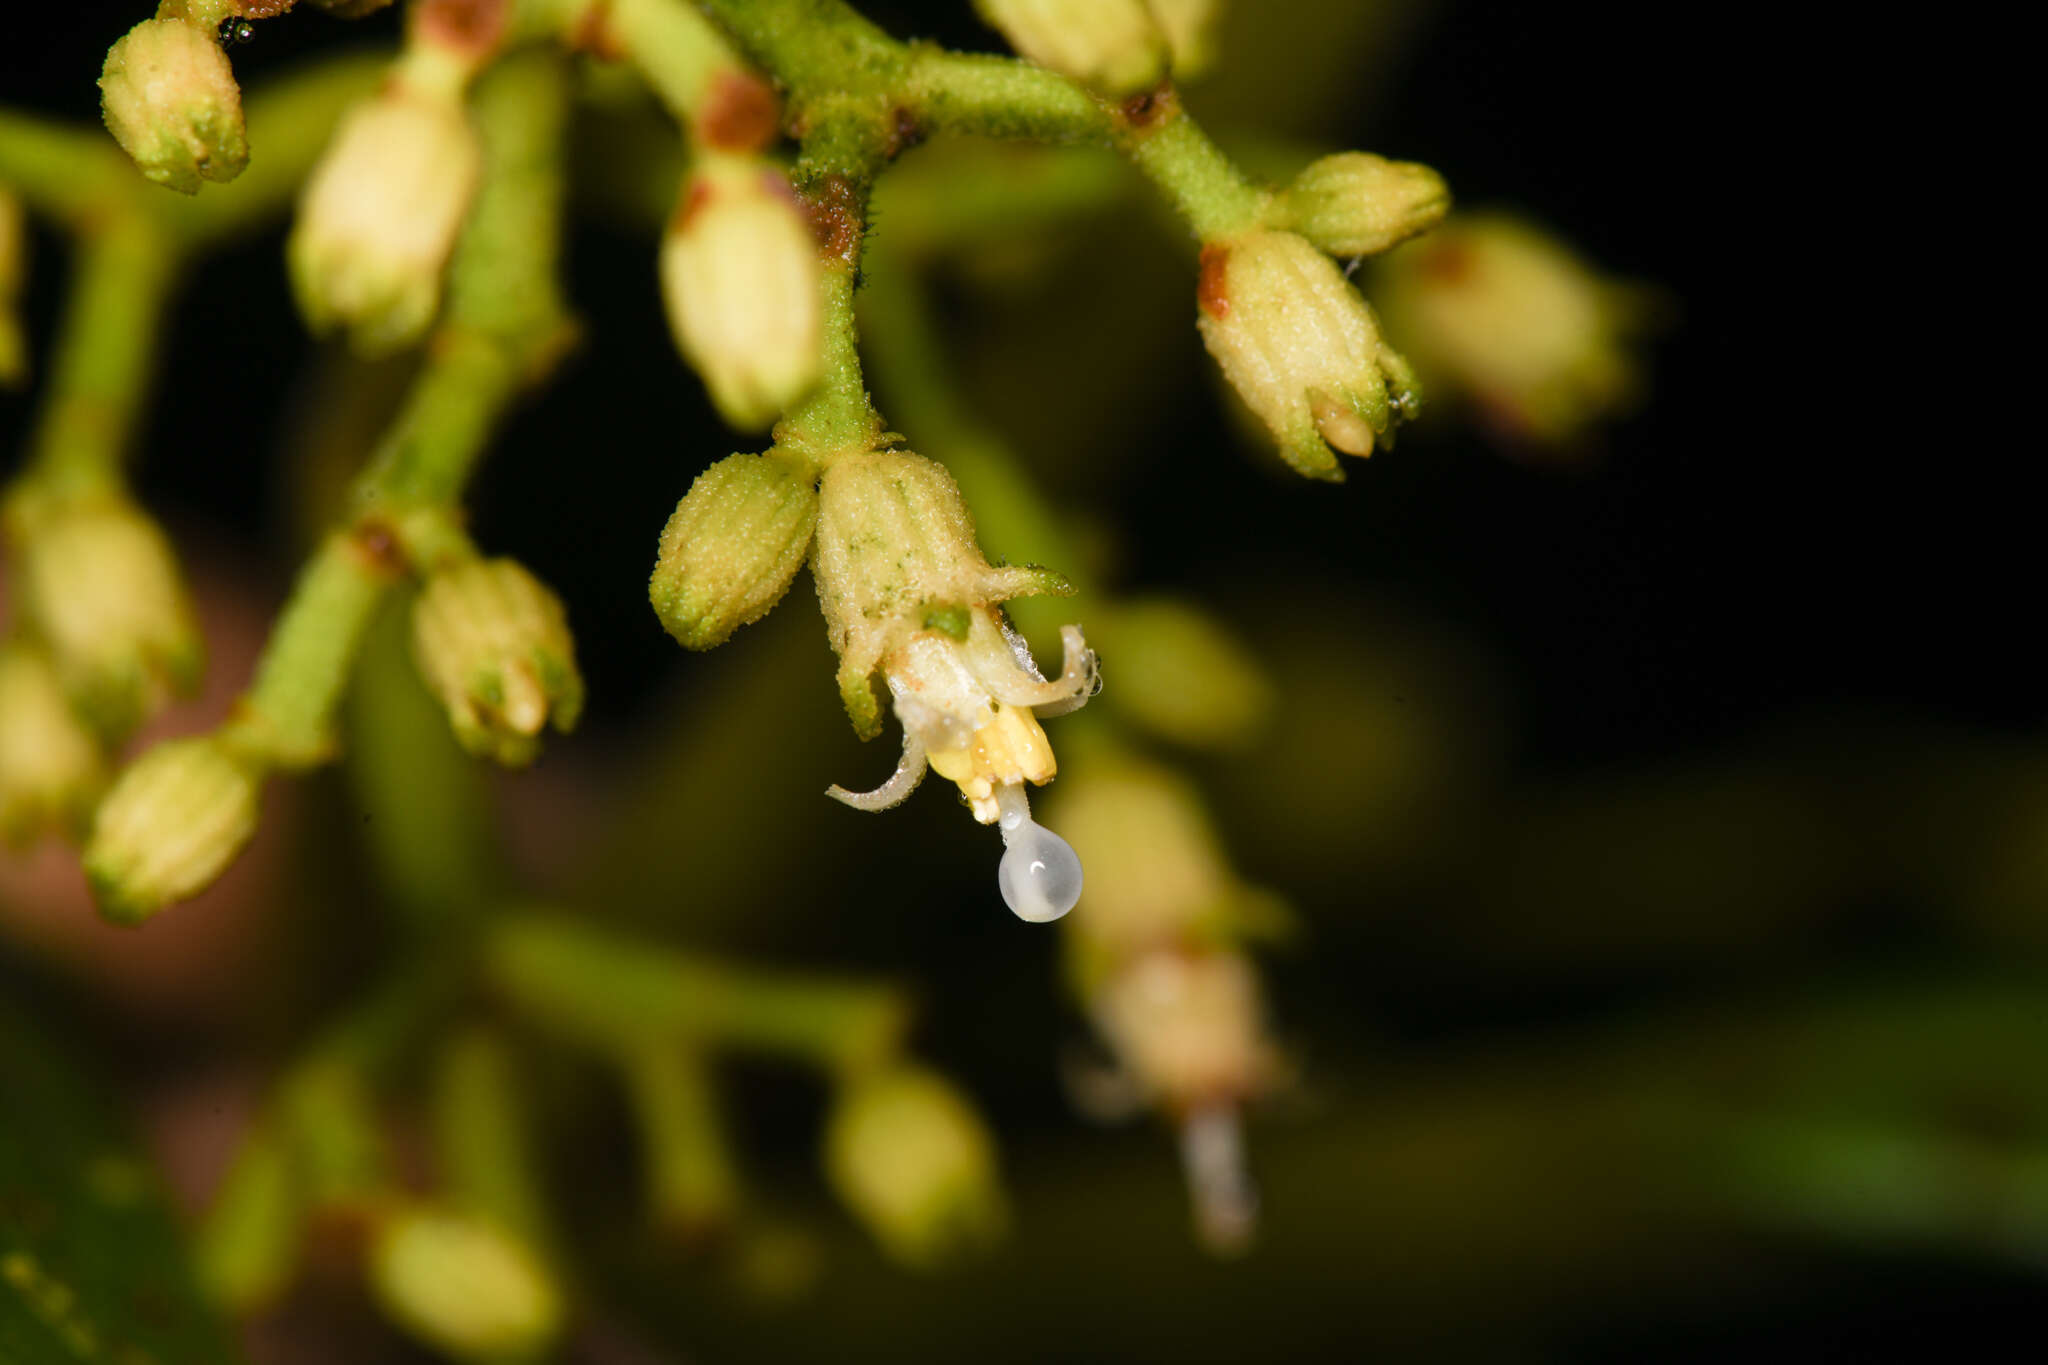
[505, 324]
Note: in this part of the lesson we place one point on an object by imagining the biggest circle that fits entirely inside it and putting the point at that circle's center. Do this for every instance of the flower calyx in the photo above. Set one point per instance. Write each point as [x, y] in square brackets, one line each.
[1301, 348]
[493, 644]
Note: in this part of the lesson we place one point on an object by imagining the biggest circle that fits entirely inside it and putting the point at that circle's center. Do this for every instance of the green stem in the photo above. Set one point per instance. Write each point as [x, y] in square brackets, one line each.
[680, 52]
[812, 45]
[838, 418]
[480, 1136]
[1192, 172]
[692, 1184]
[71, 174]
[105, 354]
[618, 994]
[505, 325]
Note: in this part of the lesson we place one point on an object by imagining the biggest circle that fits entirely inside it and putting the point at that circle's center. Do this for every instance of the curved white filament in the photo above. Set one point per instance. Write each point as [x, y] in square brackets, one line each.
[909, 772]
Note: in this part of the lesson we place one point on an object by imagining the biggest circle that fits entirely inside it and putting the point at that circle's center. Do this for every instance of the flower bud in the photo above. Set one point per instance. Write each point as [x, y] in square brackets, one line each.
[100, 586]
[911, 1158]
[380, 214]
[895, 554]
[493, 644]
[1157, 875]
[732, 546]
[464, 1286]
[13, 269]
[173, 821]
[1301, 348]
[171, 101]
[50, 769]
[1112, 46]
[1190, 30]
[1507, 317]
[1188, 1027]
[1184, 677]
[1357, 204]
[740, 278]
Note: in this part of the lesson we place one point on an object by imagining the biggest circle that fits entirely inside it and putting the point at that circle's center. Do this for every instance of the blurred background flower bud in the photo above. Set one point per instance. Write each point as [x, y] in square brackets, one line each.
[13, 270]
[175, 818]
[101, 588]
[733, 544]
[464, 1286]
[171, 101]
[1500, 314]
[1301, 348]
[1357, 204]
[1158, 877]
[1109, 45]
[1189, 27]
[380, 214]
[50, 765]
[493, 644]
[740, 278]
[1182, 675]
[1188, 1026]
[913, 1160]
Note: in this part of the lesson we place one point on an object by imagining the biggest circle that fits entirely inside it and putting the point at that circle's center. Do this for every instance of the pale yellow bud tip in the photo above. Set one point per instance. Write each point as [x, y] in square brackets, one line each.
[464, 1286]
[379, 217]
[1112, 46]
[173, 822]
[170, 100]
[50, 769]
[741, 280]
[494, 645]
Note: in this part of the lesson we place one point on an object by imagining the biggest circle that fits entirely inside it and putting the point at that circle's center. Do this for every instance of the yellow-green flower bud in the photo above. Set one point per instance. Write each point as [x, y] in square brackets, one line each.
[740, 277]
[1301, 348]
[1109, 45]
[1181, 675]
[1188, 1026]
[895, 554]
[464, 1286]
[1190, 29]
[912, 1159]
[1357, 204]
[171, 101]
[380, 214]
[50, 768]
[732, 546]
[493, 644]
[1158, 878]
[172, 823]
[13, 269]
[1505, 316]
[100, 586]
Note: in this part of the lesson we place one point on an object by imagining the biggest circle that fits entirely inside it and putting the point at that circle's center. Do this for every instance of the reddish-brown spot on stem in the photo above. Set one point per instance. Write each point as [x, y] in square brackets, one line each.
[1210, 293]
[904, 133]
[1149, 107]
[593, 33]
[740, 114]
[1448, 263]
[465, 25]
[376, 543]
[833, 209]
[691, 204]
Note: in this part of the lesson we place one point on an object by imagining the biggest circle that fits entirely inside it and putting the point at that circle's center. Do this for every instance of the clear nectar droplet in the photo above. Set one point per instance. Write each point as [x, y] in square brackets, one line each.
[1040, 875]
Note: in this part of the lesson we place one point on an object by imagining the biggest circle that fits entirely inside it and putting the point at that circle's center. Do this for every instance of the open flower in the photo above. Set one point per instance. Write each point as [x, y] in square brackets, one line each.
[908, 593]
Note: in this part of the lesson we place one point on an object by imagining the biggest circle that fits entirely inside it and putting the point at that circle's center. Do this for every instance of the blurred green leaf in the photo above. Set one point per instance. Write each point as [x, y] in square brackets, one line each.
[91, 1267]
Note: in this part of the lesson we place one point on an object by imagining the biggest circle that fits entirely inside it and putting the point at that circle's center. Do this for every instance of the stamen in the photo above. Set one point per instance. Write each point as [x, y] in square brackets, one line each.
[909, 772]
[1079, 677]
[1226, 1202]
[1040, 875]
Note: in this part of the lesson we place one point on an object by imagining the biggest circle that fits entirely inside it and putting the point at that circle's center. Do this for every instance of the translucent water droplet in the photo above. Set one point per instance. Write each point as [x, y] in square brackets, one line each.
[1040, 875]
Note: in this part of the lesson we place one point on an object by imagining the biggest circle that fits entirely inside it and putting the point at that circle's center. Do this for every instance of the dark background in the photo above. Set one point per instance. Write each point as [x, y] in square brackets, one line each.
[1788, 548]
